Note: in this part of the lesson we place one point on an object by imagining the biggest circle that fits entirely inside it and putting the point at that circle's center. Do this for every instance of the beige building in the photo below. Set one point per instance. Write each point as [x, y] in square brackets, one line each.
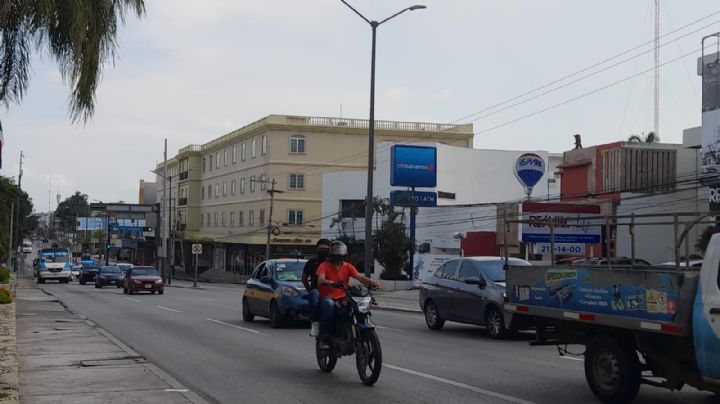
[220, 190]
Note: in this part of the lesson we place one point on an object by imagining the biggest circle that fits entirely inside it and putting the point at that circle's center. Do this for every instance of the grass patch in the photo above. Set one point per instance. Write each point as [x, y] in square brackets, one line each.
[5, 296]
[4, 275]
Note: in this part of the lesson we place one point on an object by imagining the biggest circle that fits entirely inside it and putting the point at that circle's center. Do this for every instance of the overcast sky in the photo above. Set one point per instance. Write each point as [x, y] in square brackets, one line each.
[192, 71]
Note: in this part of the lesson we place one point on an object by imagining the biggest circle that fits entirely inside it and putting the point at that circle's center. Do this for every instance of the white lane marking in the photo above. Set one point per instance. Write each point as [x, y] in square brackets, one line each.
[176, 390]
[233, 326]
[205, 298]
[571, 358]
[461, 385]
[169, 309]
[388, 328]
[132, 300]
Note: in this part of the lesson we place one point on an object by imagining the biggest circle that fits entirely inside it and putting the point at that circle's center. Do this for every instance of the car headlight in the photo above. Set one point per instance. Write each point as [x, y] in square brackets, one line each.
[288, 291]
[137, 282]
[159, 281]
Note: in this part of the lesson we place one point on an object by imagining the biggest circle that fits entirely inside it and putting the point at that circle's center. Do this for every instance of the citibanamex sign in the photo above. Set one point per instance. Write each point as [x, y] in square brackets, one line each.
[529, 169]
[714, 199]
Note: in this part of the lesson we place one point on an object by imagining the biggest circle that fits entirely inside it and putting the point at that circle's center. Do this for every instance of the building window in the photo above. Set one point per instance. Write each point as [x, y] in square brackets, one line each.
[210, 162]
[243, 152]
[232, 219]
[217, 160]
[204, 164]
[222, 219]
[225, 188]
[234, 155]
[251, 218]
[241, 218]
[242, 185]
[202, 192]
[232, 187]
[252, 149]
[263, 145]
[202, 220]
[215, 217]
[263, 182]
[217, 190]
[297, 144]
[225, 160]
[207, 222]
[209, 193]
[261, 218]
[295, 217]
[252, 183]
[297, 181]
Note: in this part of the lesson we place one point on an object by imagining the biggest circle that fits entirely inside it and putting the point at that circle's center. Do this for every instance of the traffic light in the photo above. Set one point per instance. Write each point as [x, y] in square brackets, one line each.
[148, 229]
[108, 246]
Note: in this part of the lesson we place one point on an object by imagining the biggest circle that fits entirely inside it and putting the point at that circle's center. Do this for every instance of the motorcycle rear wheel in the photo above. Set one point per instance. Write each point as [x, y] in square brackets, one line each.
[369, 357]
[325, 359]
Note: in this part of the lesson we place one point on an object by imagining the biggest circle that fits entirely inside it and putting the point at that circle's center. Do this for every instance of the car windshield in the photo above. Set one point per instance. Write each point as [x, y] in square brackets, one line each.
[289, 271]
[145, 272]
[56, 258]
[109, 270]
[495, 269]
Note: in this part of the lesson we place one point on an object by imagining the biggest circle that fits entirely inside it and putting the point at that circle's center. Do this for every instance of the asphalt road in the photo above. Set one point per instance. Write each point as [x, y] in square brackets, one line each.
[198, 336]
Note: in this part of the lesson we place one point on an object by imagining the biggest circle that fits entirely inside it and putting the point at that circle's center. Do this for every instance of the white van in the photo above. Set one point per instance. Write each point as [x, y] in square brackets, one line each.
[27, 247]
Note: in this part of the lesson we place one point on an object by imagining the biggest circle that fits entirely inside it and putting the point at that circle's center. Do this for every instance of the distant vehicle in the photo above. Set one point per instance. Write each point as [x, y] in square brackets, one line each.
[146, 279]
[88, 272]
[275, 290]
[124, 267]
[109, 276]
[54, 264]
[614, 261]
[468, 290]
[683, 264]
[27, 247]
[75, 271]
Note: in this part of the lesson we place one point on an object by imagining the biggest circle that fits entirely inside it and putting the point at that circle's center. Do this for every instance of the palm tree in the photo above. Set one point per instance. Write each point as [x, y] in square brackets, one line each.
[649, 138]
[80, 35]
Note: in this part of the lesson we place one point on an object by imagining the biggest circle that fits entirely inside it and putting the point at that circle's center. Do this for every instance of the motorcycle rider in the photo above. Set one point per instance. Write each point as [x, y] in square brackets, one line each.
[335, 271]
[309, 279]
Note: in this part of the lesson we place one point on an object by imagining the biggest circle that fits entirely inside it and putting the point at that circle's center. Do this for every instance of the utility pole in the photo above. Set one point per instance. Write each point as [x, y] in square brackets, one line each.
[171, 239]
[17, 213]
[657, 71]
[163, 251]
[271, 191]
[12, 216]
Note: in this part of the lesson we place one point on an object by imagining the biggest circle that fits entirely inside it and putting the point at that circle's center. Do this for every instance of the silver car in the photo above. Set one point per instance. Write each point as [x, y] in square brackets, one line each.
[468, 290]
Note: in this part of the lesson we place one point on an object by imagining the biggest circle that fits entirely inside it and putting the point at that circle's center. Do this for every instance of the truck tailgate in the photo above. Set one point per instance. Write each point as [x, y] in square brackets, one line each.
[647, 299]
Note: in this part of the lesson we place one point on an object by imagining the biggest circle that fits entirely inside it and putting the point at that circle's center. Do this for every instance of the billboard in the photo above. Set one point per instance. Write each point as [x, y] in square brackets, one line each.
[577, 224]
[413, 198]
[90, 223]
[413, 166]
[711, 114]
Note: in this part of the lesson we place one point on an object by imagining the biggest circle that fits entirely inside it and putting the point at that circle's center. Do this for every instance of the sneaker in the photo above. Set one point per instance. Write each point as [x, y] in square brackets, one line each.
[314, 329]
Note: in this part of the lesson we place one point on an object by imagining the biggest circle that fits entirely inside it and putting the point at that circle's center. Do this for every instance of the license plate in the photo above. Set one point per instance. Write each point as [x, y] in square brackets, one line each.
[148, 286]
[112, 282]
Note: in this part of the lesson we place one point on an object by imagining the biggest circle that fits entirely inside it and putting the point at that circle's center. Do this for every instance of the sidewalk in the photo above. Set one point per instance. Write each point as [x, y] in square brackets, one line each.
[65, 359]
[400, 300]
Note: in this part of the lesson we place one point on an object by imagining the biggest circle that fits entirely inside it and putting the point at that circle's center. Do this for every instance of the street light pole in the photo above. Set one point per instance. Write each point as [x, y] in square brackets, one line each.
[371, 134]
[271, 191]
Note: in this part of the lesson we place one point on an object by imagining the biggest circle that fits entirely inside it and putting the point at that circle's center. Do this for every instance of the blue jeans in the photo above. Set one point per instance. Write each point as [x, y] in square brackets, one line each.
[314, 305]
[327, 316]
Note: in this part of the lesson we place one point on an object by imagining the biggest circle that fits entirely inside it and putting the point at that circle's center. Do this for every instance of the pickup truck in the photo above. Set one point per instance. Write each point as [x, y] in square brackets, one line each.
[649, 325]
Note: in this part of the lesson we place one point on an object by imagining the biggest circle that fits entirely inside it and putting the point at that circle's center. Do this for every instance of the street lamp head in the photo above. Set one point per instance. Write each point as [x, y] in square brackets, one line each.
[417, 7]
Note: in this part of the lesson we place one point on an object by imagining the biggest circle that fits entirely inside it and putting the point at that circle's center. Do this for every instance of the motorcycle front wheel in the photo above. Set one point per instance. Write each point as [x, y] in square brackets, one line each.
[369, 357]
[325, 359]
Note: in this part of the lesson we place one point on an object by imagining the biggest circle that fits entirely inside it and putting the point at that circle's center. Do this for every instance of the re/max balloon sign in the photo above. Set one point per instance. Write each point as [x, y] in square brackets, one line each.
[413, 166]
[529, 169]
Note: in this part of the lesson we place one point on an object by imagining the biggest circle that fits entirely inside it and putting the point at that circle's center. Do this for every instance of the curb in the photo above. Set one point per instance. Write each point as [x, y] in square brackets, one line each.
[397, 309]
[190, 395]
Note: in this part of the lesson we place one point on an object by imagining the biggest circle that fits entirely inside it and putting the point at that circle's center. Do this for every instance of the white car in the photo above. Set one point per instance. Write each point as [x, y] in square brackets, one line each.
[27, 247]
[54, 265]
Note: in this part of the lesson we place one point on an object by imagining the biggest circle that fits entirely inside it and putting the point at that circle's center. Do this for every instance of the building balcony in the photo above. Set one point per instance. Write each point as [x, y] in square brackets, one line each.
[182, 201]
[183, 175]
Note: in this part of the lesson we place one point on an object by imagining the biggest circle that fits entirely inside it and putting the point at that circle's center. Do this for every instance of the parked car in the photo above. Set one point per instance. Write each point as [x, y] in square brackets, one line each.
[146, 279]
[683, 264]
[468, 290]
[109, 276]
[88, 272]
[275, 291]
[614, 261]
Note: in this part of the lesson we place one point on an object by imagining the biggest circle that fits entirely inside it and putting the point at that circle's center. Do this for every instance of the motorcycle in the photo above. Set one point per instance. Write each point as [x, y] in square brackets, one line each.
[354, 333]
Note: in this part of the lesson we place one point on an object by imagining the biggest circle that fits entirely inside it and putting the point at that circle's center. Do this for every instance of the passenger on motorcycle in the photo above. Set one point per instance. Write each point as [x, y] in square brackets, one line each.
[332, 274]
[309, 279]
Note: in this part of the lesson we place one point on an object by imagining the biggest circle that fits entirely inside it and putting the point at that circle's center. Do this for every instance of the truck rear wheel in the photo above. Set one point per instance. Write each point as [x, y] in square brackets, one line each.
[612, 370]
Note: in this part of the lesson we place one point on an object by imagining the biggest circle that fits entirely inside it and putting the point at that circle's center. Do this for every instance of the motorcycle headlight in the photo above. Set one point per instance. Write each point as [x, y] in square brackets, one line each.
[288, 291]
[363, 303]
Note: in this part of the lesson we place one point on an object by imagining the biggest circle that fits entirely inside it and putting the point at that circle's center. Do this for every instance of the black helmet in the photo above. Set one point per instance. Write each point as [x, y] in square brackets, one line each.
[338, 251]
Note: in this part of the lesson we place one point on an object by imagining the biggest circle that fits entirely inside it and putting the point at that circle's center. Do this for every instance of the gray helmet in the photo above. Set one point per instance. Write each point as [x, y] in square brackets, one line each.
[338, 250]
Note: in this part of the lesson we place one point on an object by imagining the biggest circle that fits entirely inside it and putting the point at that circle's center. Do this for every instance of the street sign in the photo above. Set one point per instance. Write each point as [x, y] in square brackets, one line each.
[573, 223]
[196, 249]
[560, 249]
[413, 198]
[529, 169]
[413, 166]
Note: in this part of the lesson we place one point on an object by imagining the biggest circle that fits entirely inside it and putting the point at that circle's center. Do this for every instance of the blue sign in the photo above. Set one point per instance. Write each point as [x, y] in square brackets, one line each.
[413, 166]
[529, 168]
[115, 227]
[413, 198]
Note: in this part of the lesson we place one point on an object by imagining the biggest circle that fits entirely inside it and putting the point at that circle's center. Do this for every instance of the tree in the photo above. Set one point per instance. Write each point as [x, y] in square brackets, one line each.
[71, 208]
[704, 238]
[80, 35]
[391, 245]
[651, 137]
[11, 195]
